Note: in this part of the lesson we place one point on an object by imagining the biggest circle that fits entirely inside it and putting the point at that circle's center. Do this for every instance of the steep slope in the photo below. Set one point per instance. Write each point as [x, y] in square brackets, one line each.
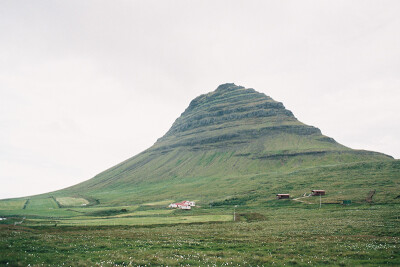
[233, 115]
[226, 143]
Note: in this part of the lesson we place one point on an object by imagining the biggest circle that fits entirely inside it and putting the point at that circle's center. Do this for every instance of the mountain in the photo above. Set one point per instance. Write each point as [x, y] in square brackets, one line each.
[236, 143]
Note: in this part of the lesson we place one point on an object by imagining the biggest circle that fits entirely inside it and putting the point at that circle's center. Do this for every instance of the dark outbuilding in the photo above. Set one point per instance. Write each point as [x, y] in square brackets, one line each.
[346, 202]
[282, 196]
[317, 192]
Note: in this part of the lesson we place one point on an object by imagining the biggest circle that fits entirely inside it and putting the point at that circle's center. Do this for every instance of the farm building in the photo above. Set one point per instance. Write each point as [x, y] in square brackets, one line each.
[282, 196]
[346, 202]
[184, 205]
[317, 192]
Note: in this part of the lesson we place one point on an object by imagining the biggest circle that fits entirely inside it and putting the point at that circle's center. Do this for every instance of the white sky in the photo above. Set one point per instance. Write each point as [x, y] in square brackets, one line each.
[87, 84]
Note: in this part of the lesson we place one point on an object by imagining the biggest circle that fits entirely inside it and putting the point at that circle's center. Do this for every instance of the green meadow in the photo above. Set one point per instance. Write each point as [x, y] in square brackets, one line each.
[56, 229]
[281, 233]
[121, 229]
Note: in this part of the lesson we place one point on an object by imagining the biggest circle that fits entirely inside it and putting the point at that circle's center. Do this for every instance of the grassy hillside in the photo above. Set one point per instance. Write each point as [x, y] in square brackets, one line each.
[235, 143]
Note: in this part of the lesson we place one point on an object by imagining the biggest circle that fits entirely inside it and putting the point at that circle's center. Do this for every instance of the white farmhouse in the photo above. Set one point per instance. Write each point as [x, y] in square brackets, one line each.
[184, 205]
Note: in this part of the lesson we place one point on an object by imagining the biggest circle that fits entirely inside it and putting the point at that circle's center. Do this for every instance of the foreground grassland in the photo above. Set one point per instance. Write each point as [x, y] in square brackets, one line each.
[287, 233]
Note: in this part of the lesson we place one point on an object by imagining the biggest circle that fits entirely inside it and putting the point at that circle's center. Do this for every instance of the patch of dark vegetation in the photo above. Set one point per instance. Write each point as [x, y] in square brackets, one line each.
[58, 203]
[282, 203]
[26, 203]
[252, 216]
[93, 202]
[75, 211]
[370, 196]
[234, 201]
[242, 155]
[11, 221]
[286, 155]
[110, 212]
[149, 207]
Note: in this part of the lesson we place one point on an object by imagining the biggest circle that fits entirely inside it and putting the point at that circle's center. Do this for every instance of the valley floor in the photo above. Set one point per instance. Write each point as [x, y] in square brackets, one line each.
[292, 234]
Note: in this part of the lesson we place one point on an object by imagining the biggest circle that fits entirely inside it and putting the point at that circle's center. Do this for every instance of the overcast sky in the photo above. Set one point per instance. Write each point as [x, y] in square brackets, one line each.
[85, 85]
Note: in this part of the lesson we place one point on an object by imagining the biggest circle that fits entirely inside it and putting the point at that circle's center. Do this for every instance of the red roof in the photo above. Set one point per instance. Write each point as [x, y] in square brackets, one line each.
[183, 203]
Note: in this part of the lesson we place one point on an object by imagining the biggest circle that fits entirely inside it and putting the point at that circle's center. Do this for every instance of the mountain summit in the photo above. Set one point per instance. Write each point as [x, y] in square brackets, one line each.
[233, 115]
[227, 142]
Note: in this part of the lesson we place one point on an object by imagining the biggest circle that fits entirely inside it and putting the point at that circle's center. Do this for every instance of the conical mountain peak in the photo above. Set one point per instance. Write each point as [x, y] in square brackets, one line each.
[232, 113]
[231, 135]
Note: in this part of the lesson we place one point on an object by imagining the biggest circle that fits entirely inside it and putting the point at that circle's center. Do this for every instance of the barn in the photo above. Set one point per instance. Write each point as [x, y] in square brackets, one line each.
[318, 192]
[282, 196]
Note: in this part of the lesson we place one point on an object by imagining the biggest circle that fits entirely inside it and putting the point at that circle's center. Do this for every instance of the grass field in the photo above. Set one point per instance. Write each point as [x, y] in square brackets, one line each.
[266, 231]
[287, 234]
[147, 220]
[12, 204]
[159, 203]
[41, 203]
[72, 201]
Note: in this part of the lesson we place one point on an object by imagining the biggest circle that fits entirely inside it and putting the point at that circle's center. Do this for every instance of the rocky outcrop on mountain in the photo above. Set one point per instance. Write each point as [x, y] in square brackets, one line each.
[233, 115]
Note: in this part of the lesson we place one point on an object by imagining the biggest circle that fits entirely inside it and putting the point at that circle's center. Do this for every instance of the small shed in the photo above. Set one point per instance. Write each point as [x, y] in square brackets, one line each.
[318, 192]
[282, 196]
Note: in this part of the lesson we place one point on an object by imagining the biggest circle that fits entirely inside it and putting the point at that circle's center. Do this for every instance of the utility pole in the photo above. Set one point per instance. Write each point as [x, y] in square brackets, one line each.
[234, 213]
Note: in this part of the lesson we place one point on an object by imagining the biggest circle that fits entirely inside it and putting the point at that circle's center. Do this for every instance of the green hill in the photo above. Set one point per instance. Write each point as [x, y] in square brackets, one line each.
[236, 145]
